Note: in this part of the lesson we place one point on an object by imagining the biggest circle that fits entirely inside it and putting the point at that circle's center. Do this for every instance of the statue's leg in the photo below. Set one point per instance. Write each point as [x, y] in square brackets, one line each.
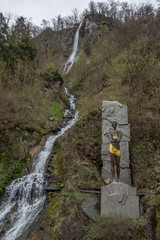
[118, 166]
[112, 157]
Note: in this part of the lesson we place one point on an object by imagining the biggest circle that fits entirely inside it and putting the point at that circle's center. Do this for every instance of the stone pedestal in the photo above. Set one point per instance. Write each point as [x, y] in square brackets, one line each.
[119, 200]
[115, 111]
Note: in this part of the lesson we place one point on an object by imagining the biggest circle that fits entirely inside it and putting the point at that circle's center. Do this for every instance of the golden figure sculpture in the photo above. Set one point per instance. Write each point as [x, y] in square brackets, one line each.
[114, 149]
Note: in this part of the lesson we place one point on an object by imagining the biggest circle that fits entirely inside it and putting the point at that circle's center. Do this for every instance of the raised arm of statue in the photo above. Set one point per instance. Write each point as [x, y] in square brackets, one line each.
[107, 133]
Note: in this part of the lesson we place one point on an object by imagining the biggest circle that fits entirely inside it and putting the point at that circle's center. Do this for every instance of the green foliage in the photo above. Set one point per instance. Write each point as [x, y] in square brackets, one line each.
[54, 109]
[16, 44]
[57, 109]
[132, 64]
[5, 178]
[18, 168]
[50, 72]
[27, 50]
[12, 163]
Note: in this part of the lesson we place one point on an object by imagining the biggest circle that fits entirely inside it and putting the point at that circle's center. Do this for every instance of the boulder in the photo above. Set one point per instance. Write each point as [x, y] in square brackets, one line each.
[90, 207]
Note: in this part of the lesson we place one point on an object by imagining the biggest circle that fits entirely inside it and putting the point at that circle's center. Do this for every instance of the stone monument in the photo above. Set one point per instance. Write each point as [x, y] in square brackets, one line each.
[111, 111]
[119, 200]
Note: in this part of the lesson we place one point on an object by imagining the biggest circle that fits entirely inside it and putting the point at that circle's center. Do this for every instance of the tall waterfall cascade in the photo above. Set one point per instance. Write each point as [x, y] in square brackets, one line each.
[25, 197]
[73, 55]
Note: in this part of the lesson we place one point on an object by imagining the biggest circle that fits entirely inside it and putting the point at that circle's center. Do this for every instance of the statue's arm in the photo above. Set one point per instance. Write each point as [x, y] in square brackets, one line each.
[110, 137]
[107, 133]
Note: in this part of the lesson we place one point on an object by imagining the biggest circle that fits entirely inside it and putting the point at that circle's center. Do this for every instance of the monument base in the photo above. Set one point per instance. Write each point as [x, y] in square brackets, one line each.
[119, 200]
[125, 174]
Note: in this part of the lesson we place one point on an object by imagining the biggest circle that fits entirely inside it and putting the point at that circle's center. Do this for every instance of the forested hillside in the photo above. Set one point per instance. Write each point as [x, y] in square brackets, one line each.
[29, 96]
[118, 60]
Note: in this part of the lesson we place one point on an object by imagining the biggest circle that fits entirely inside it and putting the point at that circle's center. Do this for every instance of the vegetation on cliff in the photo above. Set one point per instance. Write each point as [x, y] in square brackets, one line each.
[118, 60]
[28, 98]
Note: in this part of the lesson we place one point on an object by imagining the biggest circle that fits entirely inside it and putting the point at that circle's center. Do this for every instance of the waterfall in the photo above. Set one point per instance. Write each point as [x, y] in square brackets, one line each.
[25, 197]
[72, 57]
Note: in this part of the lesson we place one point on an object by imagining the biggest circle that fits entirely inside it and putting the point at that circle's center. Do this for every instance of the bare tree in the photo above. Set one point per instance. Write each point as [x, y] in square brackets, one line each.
[45, 23]
[102, 8]
[75, 12]
[92, 7]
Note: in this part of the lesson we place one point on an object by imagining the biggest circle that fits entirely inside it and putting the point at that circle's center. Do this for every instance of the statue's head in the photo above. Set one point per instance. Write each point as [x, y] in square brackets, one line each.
[114, 124]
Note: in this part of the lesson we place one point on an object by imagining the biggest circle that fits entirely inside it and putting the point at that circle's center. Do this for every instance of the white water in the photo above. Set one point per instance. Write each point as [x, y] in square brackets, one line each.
[25, 196]
[72, 57]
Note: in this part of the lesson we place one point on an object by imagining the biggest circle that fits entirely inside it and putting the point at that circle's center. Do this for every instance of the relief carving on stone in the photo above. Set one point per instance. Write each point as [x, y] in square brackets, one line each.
[114, 111]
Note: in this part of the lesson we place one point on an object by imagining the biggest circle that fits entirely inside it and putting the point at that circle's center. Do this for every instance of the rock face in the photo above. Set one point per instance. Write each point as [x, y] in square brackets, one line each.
[90, 27]
[114, 111]
[119, 200]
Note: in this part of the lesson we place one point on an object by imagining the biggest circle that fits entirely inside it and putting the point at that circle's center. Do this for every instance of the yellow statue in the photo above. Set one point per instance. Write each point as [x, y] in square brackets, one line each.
[114, 149]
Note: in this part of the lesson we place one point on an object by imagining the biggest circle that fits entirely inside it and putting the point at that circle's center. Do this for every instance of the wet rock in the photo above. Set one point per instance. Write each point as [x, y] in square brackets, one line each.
[91, 27]
[52, 119]
[90, 207]
[54, 128]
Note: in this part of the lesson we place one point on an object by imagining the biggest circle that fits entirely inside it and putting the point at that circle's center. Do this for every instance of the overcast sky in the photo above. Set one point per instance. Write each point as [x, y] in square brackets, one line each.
[47, 9]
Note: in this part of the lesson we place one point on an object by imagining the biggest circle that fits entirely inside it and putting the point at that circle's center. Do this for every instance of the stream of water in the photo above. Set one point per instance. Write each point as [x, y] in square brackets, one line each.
[73, 56]
[25, 196]
[24, 199]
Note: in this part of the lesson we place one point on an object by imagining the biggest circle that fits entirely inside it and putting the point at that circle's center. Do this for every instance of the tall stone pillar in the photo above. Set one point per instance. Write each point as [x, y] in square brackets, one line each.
[115, 111]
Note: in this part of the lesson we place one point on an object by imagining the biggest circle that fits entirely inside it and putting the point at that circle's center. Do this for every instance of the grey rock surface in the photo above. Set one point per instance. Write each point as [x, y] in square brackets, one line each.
[91, 27]
[115, 111]
[90, 207]
[119, 200]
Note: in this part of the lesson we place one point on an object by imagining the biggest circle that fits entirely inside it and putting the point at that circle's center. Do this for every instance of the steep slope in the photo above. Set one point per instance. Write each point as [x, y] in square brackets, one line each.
[118, 60]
